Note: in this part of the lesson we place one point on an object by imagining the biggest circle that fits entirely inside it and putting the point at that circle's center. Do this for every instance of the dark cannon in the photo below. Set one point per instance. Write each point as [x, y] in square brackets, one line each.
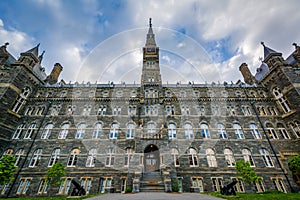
[78, 190]
[229, 189]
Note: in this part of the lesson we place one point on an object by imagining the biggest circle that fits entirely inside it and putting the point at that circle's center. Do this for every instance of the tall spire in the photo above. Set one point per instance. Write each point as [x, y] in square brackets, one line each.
[150, 36]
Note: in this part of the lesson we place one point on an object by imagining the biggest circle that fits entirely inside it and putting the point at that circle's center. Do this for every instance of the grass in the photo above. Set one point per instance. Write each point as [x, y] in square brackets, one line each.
[53, 198]
[268, 195]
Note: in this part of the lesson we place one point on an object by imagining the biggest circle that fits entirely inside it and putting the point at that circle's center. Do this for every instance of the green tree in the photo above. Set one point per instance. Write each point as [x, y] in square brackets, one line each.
[55, 173]
[7, 169]
[246, 172]
[294, 164]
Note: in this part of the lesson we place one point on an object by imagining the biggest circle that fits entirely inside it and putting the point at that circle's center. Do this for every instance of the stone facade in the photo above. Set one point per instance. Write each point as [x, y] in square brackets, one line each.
[110, 136]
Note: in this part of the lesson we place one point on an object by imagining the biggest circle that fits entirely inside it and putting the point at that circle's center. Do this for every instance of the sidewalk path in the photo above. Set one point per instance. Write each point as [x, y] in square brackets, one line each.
[154, 196]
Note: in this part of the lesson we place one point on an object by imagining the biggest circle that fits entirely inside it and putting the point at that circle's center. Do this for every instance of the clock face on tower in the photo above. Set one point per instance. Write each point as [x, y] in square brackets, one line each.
[151, 49]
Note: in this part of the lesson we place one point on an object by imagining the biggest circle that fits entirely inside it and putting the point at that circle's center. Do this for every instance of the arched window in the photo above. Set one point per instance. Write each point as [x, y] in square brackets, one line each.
[47, 131]
[188, 131]
[90, 161]
[254, 131]
[281, 100]
[54, 157]
[97, 130]
[114, 130]
[128, 156]
[221, 131]
[72, 161]
[296, 128]
[204, 131]
[271, 131]
[283, 131]
[130, 131]
[30, 131]
[151, 128]
[19, 131]
[229, 157]
[64, 131]
[211, 158]
[266, 158]
[21, 99]
[86, 110]
[18, 156]
[248, 157]
[175, 156]
[193, 157]
[9, 152]
[110, 157]
[35, 159]
[238, 131]
[172, 131]
[80, 131]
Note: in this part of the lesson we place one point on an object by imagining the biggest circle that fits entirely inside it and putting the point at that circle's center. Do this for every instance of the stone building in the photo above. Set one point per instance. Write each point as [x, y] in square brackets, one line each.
[146, 136]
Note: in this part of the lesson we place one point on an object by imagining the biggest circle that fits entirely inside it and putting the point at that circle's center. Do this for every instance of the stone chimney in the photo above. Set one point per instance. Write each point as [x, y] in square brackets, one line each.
[53, 77]
[248, 77]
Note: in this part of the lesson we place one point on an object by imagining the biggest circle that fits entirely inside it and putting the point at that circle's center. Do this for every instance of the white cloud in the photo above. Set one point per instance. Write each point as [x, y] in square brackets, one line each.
[72, 30]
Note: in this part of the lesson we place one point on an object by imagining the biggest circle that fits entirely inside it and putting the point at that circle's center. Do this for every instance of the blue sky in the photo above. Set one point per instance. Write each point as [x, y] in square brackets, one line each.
[102, 40]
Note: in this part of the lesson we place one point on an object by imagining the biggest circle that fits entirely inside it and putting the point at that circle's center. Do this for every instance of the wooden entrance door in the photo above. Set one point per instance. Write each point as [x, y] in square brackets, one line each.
[151, 158]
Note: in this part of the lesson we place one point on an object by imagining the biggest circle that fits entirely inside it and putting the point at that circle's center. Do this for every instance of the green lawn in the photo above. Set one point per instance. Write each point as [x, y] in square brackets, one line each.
[272, 195]
[52, 198]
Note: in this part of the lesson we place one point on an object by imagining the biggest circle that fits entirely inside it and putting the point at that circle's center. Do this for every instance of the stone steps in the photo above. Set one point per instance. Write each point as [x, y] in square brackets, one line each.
[152, 182]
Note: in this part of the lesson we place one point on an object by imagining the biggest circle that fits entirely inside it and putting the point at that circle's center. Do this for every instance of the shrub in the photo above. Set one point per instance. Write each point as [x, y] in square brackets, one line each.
[128, 190]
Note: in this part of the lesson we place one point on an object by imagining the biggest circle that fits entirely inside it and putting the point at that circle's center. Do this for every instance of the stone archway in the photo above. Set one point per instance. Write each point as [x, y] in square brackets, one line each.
[151, 158]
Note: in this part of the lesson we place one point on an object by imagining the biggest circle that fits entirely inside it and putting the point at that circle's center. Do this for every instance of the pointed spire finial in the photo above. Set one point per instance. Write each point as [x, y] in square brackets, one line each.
[6, 44]
[262, 43]
[150, 24]
[41, 57]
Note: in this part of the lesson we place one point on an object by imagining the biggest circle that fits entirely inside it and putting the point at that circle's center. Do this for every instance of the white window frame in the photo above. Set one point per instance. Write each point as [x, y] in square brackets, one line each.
[73, 158]
[97, 132]
[172, 134]
[130, 131]
[229, 157]
[193, 159]
[238, 131]
[63, 133]
[114, 131]
[30, 131]
[255, 132]
[23, 185]
[211, 158]
[36, 158]
[204, 131]
[47, 131]
[217, 183]
[54, 157]
[248, 157]
[188, 131]
[222, 131]
[19, 131]
[266, 158]
[80, 133]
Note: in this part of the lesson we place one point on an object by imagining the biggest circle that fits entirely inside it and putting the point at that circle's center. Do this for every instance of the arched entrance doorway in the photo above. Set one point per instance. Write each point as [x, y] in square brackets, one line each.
[151, 158]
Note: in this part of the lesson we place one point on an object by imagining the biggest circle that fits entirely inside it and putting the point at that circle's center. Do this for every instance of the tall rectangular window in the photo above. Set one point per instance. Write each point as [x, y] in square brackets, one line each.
[24, 185]
[65, 186]
[43, 186]
[217, 183]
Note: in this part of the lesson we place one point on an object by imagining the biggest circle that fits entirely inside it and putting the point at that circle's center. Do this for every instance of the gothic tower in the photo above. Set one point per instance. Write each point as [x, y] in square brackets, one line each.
[151, 71]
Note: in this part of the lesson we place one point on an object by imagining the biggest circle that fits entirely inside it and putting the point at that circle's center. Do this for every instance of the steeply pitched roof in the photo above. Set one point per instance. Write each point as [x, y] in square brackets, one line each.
[268, 52]
[150, 36]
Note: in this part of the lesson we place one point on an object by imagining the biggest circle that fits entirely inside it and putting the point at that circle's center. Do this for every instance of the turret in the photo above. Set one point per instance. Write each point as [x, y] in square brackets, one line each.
[272, 58]
[29, 58]
[53, 77]
[248, 77]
